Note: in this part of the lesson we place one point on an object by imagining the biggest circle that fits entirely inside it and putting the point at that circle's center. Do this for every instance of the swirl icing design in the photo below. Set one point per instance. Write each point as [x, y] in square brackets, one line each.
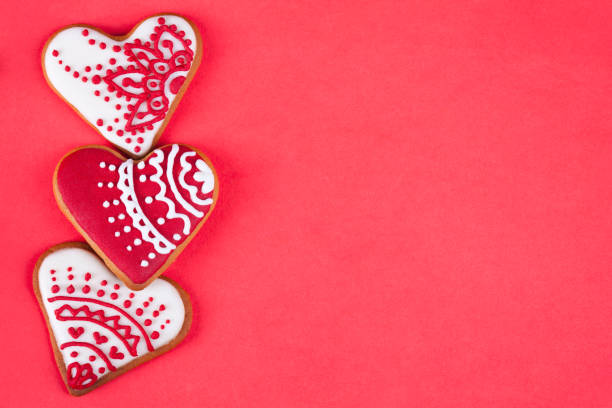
[100, 325]
[124, 89]
[137, 213]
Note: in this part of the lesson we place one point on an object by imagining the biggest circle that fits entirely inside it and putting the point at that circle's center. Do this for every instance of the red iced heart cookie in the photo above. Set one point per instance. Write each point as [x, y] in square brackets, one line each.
[118, 328]
[137, 215]
[126, 87]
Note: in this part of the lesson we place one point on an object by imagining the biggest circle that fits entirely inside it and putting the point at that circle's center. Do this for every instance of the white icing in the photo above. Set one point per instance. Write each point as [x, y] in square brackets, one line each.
[102, 165]
[127, 228]
[144, 264]
[105, 204]
[75, 51]
[115, 202]
[129, 247]
[112, 167]
[148, 200]
[139, 219]
[121, 216]
[82, 262]
[176, 237]
[204, 175]
[151, 255]
[137, 241]
[111, 184]
[169, 174]
[117, 233]
[111, 219]
[100, 184]
[142, 178]
[161, 221]
[156, 159]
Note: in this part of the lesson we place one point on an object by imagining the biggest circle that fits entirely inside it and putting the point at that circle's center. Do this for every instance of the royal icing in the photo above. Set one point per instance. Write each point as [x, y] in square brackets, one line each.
[124, 88]
[99, 324]
[137, 213]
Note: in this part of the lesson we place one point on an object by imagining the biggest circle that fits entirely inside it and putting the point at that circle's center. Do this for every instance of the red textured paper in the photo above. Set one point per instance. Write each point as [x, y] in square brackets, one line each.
[415, 205]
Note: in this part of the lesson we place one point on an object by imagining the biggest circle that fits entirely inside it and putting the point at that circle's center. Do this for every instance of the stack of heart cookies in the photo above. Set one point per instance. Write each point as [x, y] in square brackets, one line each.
[106, 307]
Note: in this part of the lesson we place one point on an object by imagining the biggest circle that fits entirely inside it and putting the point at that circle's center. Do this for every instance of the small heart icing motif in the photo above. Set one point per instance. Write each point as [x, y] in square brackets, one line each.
[75, 333]
[126, 87]
[114, 353]
[138, 216]
[135, 326]
[99, 338]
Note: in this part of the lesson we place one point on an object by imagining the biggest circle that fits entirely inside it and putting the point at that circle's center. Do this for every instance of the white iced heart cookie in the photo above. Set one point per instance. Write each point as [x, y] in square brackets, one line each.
[99, 328]
[126, 87]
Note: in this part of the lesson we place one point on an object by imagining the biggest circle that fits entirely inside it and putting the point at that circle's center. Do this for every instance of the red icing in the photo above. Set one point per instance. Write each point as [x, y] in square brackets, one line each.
[70, 289]
[127, 304]
[93, 348]
[147, 322]
[155, 313]
[87, 68]
[67, 68]
[154, 335]
[80, 376]
[55, 53]
[100, 293]
[116, 48]
[74, 354]
[99, 122]
[92, 358]
[87, 276]
[139, 312]
[112, 61]
[162, 308]
[86, 289]
[166, 58]
[102, 45]
[116, 286]
[66, 312]
[114, 296]
[99, 67]
[77, 181]
[101, 370]
[70, 277]
[76, 74]
[85, 32]
[96, 79]
[97, 93]
[75, 333]
[92, 41]
[115, 354]
[104, 283]
[99, 338]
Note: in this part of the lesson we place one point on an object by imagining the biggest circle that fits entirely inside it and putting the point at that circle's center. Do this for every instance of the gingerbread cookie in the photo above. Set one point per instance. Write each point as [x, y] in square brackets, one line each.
[99, 328]
[137, 215]
[126, 87]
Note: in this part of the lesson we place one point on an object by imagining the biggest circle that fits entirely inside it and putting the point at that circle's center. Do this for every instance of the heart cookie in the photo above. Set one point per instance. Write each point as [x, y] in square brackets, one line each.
[137, 215]
[126, 87]
[99, 328]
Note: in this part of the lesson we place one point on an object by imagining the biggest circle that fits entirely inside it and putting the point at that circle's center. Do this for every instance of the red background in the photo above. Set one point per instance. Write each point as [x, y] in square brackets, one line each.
[415, 205]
